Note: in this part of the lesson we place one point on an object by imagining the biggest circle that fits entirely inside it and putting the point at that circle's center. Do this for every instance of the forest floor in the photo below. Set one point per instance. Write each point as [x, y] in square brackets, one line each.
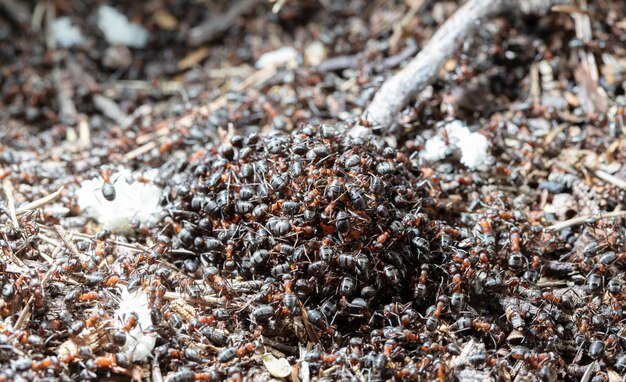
[181, 201]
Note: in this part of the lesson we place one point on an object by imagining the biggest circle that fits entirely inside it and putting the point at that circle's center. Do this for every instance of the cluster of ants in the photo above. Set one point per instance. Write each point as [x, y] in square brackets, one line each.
[350, 237]
[338, 254]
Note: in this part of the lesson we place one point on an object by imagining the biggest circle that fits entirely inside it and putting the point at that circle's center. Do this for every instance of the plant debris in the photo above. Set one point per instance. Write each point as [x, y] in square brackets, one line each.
[184, 198]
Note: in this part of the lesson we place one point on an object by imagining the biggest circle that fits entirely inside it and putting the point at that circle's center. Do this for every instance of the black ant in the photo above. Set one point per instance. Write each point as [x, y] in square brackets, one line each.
[108, 190]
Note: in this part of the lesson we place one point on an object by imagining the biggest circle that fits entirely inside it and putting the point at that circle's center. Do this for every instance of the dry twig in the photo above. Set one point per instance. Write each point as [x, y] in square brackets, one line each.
[398, 90]
[605, 176]
[218, 24]
[16, 11]
[39, 202]
[68, 241]
[8, 192]
[131, 246]
[289, 350]
[580, 220]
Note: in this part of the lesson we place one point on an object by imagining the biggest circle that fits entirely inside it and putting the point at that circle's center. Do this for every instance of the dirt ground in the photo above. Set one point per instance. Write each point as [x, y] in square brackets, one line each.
[188, 204]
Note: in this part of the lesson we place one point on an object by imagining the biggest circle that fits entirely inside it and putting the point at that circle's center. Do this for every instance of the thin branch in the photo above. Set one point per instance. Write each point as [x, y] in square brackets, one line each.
[605, 176]
[16, 11]
[289, 350]
[8, 192]
[39, 202]
[397, 91]
[22, 319]
[216, 25]
[67, 240]
[136, 247]
[582, 219]
[140, 150]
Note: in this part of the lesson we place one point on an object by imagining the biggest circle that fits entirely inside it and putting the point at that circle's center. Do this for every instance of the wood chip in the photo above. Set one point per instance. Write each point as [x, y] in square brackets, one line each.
[165, 20]
[193, 58]
[39, 202]
[184, 310]
[8, 192]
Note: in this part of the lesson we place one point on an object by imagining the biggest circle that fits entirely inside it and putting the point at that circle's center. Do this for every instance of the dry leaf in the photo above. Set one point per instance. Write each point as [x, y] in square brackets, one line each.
[165, 20]
[193, 58]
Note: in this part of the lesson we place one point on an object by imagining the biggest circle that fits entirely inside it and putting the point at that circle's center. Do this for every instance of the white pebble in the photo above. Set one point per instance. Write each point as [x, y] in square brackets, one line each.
[457, 131]
[474, 147]
[118, 29]
[314, 53]
[474, 151]
[434, 149]
[279, 57]
[66, 33]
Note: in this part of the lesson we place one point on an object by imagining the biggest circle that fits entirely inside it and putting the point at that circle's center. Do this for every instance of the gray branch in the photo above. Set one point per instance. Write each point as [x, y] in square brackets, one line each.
[397, 91]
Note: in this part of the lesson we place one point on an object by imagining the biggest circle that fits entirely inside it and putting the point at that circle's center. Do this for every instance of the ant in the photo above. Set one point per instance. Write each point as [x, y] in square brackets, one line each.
[108, 190]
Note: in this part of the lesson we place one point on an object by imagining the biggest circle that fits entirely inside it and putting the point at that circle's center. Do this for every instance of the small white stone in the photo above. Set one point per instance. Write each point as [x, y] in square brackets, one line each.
[117, 57]
[279, 57]
[474, 147]
[457, 131]
[117, 29]
[277, 367]
[434, 150]
[66, 33]
[314, 53]
[474, 151]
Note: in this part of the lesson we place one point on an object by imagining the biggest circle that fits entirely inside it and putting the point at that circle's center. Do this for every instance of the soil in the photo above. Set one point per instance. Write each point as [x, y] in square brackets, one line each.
[282, 248]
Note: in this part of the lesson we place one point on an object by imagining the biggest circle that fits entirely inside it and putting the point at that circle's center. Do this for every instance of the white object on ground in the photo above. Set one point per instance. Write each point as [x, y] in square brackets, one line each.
[474, 150]
[435, 149]
[314, 53]
[279, 57]
[133, 200]
[277, 367]
[474, 147]
[66, 33]
[139, 343]
[118, 29]
[457, 131]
